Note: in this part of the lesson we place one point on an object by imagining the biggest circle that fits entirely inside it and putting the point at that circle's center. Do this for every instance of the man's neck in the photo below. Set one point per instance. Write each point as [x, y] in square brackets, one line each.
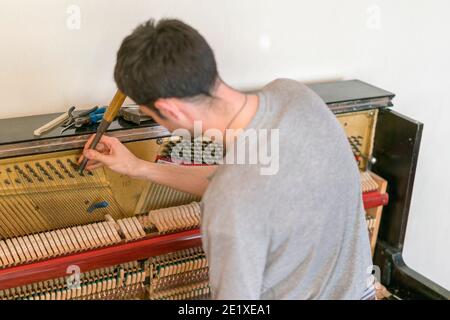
[239, 108]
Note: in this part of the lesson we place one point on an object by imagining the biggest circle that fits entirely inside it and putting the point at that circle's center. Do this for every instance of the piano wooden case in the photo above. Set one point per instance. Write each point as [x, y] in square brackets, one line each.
[105, 236]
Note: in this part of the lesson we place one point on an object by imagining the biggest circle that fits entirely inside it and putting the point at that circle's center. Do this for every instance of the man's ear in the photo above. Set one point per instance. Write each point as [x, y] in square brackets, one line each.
[168, 108]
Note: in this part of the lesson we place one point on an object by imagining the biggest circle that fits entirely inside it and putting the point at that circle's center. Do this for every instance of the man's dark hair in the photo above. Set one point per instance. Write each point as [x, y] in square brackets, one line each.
[168, 59]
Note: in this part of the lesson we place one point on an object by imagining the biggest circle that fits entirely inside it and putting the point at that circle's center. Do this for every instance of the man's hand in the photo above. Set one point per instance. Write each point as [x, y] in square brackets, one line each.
[110, 152]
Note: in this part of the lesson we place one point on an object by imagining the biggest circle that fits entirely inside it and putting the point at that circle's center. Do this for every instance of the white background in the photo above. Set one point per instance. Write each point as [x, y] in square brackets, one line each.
[400, 45]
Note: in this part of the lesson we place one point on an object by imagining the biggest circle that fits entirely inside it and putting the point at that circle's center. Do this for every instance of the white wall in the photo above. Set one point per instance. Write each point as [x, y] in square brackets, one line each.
[402, 46]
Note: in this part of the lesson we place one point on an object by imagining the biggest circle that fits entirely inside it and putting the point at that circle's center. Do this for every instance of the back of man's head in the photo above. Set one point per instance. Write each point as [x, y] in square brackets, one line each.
[167, 59]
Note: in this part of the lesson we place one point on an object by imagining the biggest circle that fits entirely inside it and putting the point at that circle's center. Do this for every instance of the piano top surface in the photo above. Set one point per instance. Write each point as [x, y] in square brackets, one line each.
[17, 130]
[349, 90]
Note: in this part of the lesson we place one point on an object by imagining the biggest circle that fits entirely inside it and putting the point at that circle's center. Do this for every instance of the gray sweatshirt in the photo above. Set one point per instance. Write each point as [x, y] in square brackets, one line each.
[296, 234]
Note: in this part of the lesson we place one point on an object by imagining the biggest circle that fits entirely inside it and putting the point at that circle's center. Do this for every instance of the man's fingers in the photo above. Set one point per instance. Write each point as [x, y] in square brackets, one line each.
[86, 147]
[96, 156]
[93, 166]
[108, 140]
[105, 140]
[103, 145]
[88, 142]
[92, 163]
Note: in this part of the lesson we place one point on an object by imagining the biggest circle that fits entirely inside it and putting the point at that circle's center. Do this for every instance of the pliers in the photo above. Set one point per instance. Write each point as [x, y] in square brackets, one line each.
[90, 116]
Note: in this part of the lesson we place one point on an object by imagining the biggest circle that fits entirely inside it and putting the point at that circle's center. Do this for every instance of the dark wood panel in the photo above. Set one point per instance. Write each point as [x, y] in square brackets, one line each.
[396, 149]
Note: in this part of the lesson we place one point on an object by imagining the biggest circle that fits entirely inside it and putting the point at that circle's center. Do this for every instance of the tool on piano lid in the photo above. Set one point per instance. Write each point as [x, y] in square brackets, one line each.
[108, 117]
[134, 114]
[90, 116]
[54, 123]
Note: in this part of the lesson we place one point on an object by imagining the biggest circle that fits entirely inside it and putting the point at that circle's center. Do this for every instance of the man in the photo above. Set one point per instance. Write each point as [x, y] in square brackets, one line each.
[298, 233]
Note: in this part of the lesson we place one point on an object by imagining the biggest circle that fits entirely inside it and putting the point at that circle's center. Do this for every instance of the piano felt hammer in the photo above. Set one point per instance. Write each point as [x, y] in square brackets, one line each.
[110, 113]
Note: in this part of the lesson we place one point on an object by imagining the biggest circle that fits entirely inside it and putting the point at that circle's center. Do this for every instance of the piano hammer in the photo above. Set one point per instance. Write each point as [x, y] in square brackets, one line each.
[110, 113]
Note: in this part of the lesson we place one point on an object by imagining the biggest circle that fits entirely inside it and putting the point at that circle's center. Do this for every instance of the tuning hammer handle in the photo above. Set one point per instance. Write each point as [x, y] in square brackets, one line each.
[110, 113]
